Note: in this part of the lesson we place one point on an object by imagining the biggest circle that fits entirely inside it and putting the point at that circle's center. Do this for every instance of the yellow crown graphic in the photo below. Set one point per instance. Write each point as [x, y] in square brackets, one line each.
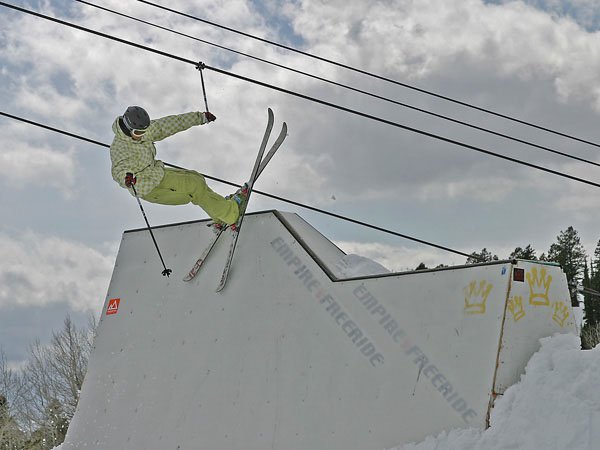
[475, 297]
[561, 313]
[539, 285]
[515, 306]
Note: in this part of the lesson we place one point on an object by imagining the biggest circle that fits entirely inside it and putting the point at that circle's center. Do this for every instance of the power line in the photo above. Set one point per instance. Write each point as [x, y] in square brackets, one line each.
[370, 74]
[275, 197]
[354, 89]
[589, 291]
[56, 130]
[306, 97]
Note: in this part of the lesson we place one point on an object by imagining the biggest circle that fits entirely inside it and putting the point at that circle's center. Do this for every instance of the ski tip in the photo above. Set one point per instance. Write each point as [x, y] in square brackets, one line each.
[191, 274]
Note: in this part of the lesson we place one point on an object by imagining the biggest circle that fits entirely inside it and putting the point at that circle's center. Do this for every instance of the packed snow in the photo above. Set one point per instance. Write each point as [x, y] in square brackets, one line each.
[555, 406]
[356, 266]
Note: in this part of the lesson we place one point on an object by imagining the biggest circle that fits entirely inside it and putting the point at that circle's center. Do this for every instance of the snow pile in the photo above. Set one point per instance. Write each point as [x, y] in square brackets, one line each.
[357, 266]
[555, 406]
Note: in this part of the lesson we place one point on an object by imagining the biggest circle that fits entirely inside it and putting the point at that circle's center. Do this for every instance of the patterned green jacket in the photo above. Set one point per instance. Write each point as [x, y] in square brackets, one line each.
[138, 157]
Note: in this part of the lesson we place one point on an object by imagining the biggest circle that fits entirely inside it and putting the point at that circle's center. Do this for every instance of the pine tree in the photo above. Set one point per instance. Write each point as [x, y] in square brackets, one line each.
[570, 254]
[595, 270]
[54, 427]
[527, 253]
[590, 332]
[422, 266]
[11, 436]
[589, 303]
[484, 256]
[594, 286]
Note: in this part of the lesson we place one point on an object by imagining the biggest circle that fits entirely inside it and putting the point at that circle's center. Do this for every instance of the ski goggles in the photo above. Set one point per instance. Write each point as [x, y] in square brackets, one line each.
[138, 133]
[134, 131]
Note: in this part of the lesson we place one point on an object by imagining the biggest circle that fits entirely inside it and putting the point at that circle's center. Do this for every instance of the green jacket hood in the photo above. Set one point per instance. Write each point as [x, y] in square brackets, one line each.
[117, 130]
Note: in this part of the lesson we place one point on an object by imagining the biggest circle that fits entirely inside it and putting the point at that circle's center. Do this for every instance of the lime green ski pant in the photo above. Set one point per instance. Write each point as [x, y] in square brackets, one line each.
[180, 187]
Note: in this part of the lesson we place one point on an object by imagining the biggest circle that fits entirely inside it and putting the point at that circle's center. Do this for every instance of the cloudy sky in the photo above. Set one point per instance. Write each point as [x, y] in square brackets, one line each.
[63, 215]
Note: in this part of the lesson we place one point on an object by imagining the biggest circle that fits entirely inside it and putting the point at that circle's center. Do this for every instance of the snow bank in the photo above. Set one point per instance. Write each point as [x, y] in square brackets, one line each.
[356, 266]
[556, 405]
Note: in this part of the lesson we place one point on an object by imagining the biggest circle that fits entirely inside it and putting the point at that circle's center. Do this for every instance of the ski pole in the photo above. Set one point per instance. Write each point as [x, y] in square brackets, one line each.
[201, 66]
[165, 272]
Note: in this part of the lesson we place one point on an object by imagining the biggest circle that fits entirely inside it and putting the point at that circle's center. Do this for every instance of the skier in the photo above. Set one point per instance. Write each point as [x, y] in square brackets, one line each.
[135, 168]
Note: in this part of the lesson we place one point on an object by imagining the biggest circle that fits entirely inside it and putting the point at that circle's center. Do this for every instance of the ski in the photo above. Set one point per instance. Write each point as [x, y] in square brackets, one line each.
[194, 270]
[253, 177]
[272, 150]
[282, 135]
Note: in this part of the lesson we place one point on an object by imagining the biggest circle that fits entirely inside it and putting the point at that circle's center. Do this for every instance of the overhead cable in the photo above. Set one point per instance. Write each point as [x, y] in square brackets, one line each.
[344, 86]
[370, 74]
[306, 97]
[275, 197]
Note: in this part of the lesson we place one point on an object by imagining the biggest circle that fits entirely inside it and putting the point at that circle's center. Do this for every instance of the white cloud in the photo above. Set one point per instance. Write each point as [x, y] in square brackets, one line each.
[486, 190]
[38, 270]
[584, 12]
[570, 201]
[417, 39]
[23, 166]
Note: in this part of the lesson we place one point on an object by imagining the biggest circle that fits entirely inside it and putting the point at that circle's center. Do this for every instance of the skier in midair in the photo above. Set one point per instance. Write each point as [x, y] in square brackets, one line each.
[134, 163]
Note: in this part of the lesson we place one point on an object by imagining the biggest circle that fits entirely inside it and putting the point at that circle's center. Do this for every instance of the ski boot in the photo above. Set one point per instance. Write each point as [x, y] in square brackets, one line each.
[217, 226]
[241, 198]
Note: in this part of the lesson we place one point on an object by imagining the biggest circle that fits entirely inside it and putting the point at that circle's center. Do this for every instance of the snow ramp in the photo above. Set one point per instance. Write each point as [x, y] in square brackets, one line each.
[291, 357]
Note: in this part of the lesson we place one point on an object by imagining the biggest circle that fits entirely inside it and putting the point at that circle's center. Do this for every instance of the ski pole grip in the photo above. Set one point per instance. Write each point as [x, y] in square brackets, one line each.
[201, 66]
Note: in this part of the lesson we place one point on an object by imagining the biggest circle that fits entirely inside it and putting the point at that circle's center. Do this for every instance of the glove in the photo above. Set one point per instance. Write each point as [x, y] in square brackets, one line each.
[130, 180]
[210, 117]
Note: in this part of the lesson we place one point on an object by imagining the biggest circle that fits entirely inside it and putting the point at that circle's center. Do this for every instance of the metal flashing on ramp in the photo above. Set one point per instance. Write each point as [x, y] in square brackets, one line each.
[291, 357]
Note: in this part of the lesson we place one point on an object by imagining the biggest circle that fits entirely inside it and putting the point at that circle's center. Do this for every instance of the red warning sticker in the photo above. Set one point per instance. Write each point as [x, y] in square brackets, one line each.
[113, 306]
